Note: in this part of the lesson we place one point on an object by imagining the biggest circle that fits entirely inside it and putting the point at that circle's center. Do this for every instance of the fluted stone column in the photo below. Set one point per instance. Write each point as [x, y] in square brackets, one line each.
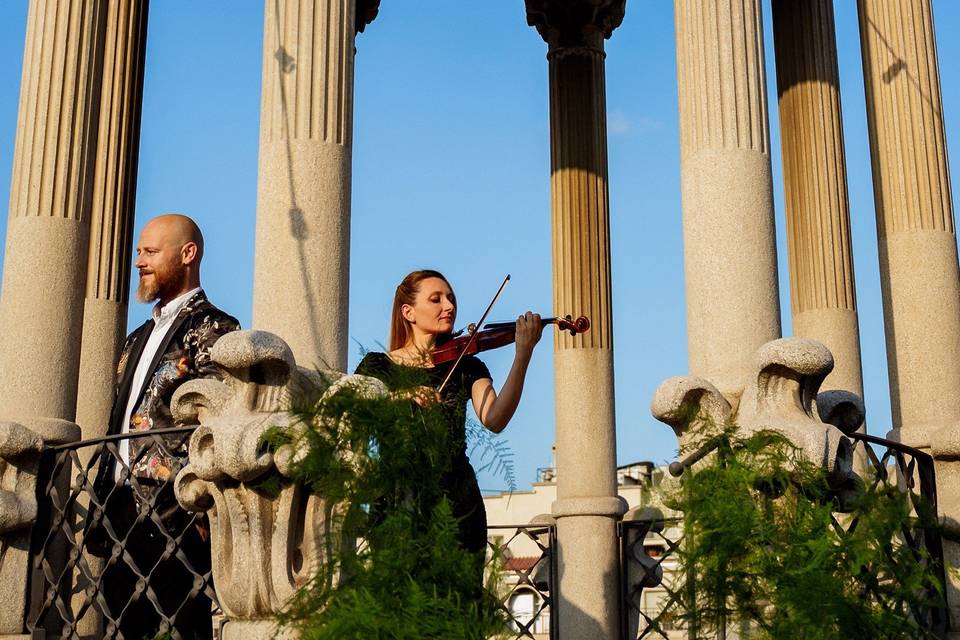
[111, 231]
[111, 219]
[730, 255]
[301, 267]
[915, 227]
[919, 274]
[822, 293]
[41, 308]
[587, 506]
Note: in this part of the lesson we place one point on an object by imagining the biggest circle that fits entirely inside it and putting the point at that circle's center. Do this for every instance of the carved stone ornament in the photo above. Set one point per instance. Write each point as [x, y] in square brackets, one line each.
[19, 459]
[19, 456]
[265, 545]
[575, 23]
[367, 10]
[20, 448]
[781, 396]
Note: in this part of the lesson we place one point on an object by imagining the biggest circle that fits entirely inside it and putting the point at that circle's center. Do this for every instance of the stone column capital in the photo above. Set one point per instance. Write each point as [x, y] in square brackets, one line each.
[566, 24]
[367, 10]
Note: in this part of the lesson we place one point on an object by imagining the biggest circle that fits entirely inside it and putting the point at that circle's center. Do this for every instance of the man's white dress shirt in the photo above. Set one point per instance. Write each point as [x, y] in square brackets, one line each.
[163, 318]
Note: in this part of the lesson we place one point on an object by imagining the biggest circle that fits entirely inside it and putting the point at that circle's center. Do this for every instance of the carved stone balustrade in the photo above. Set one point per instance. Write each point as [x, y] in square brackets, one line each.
[781, 395]
[265, 544]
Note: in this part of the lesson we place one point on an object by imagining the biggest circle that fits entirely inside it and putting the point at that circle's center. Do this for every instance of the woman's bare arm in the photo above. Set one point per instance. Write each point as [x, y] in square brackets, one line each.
[495, 410]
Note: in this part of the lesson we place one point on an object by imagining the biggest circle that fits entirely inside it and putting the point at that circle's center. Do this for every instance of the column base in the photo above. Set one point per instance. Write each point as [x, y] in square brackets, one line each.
[589, 563]
[609, 506]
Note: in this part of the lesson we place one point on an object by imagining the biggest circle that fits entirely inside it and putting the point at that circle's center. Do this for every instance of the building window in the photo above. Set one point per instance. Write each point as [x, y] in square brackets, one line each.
[524, 606]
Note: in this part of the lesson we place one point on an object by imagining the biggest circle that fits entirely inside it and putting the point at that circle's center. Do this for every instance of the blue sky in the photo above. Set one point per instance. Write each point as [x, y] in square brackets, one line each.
[451, 171]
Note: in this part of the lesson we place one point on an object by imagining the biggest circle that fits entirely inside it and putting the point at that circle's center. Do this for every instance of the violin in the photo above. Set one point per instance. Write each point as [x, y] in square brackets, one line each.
[498, 334]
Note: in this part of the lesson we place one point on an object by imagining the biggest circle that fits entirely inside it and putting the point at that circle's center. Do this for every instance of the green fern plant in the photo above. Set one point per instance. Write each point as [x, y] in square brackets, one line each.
[763, 551]
[396, 570]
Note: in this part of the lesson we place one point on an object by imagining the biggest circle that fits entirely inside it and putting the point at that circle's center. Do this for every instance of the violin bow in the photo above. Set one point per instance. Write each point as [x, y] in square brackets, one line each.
[473, 335]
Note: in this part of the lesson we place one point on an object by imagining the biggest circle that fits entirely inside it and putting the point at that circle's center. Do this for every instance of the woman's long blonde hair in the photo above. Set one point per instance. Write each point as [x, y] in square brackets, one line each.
[407, 290]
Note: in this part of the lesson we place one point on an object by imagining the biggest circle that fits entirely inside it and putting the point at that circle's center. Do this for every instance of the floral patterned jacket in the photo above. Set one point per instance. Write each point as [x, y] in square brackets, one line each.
[183, 355]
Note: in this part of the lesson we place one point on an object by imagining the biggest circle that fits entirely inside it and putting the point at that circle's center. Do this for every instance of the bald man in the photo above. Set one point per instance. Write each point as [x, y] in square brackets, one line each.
[173, 346]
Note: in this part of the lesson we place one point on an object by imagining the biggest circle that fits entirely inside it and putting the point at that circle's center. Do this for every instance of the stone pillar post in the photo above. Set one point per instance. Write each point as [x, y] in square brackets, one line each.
[41, 308]
[111, 219]
[301, 269]
[730, 255]
[822, 294]
[919, 274]
[587, 506]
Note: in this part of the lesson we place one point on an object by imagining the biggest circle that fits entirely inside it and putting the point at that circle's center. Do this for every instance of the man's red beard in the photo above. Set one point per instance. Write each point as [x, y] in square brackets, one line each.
[148, 292]
[157, 287]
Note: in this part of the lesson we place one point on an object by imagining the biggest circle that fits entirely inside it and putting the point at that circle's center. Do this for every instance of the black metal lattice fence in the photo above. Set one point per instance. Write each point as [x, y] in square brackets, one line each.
[112, 554]
[648, 556]
[650, 543]
[912, 471]
[525, 557]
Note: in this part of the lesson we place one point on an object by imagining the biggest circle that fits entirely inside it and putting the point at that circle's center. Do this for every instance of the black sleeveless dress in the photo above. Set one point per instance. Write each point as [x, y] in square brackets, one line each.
[460, 482]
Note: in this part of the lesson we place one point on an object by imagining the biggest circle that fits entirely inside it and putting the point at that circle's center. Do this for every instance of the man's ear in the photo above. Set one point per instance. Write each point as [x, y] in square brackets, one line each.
[406, 311]
[188, 253]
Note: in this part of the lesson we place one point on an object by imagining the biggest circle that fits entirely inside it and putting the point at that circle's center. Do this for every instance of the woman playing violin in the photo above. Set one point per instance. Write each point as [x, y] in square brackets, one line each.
[423, 316]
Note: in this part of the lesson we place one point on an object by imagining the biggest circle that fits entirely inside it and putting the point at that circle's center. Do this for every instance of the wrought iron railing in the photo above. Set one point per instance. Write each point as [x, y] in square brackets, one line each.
[649, 544]
[525, 556]
[913, 472]
[648, 553]
[112, 554]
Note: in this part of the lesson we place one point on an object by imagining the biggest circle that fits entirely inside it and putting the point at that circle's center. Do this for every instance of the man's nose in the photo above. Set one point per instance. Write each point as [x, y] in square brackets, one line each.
[139, 263]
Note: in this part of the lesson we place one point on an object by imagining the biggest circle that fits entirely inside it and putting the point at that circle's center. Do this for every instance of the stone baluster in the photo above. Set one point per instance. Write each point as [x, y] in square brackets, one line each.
[587, 506]
[822, 293]
[919, 273]
[730, 256]
[301, 266]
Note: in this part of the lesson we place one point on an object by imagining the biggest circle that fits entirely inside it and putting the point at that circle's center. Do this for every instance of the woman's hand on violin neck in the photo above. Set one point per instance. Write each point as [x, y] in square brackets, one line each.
[529, 330]
[426, 396]
[423, 396]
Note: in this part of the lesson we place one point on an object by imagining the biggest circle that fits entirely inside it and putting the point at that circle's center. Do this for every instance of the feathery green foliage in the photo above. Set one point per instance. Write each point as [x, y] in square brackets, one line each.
[762, 549]
[491, 453]
[380, 464]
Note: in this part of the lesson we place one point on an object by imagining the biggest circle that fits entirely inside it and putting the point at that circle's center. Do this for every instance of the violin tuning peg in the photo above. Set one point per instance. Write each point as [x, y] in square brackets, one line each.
[471, 328]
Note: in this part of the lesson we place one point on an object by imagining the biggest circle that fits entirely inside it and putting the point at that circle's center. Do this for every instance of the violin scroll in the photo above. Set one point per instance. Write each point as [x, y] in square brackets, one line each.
[567, 323]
